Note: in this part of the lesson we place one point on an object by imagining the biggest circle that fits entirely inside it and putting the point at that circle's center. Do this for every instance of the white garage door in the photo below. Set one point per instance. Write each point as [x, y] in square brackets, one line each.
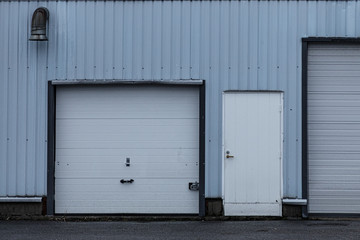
[334, 128]
[126, 149]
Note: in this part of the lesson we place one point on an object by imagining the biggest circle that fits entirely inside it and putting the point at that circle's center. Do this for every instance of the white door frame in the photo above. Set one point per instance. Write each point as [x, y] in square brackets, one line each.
[223, 137]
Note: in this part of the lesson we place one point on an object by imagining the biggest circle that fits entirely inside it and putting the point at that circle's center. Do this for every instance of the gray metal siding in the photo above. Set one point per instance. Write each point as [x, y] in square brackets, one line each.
[334, 128]
[246, 45]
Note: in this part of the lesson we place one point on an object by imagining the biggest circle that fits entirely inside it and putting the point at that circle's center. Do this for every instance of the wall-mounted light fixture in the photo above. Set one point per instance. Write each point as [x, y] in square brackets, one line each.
[39, 24]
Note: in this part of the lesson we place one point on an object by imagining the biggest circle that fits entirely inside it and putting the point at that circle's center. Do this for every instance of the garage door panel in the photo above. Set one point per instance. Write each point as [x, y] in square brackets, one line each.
[127, 175]
[333, 159]
[318, 134]
[127, 144]
[319, 148]
[334, 140]
[350, 117]
[128, 196]
[121, 142]
[70, 128]
[332, 126]
[84, 131]
[128, 95]
[182, 171]
[333, 171]
[125, 198]
[334, 162]
[338, 110]
[98, 128]
[329, 50]
[318, 67]
[121, 124]
[339, 88]
[134, 103]
[340, 190]
[102, 209]
[334, 207]
[181, 158]
[348, 101]
[113, 186]
[332, 78]
[122, 153]
[328, 139]
[343, 57]
[332, 97]
[334, 201]
[130, 203]
[350, 188]
[339, 178]
[150, 114]
[324, 104]
[120, 166]
[330, 47]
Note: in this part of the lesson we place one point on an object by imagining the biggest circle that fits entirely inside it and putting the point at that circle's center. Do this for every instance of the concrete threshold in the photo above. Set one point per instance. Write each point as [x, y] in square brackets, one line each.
[20, 199]
[139, 218]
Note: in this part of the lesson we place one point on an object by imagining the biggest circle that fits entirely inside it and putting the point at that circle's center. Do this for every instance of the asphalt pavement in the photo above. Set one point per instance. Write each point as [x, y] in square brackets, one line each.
[273, 229]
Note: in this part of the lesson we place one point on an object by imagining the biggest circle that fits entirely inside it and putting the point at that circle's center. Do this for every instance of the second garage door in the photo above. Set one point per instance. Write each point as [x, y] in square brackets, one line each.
[127, 149]
[334, 128]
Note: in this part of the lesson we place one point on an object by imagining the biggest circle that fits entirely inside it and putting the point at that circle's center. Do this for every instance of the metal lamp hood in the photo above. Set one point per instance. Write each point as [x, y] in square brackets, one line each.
[38, 25]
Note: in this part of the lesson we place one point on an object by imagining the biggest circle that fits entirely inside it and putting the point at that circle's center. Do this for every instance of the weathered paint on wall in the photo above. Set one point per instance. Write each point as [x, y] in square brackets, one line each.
[247, 45]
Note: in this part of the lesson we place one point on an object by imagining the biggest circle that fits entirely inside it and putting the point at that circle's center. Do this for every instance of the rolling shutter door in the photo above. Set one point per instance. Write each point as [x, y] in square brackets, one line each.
[334, 128]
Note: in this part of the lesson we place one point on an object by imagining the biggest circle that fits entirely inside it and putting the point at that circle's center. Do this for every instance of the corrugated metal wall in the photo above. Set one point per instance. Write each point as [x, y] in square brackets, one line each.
[230, 44]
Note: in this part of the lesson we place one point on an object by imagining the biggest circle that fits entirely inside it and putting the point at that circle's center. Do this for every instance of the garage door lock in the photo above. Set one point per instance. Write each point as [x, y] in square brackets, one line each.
[194, 186]
[127, 163]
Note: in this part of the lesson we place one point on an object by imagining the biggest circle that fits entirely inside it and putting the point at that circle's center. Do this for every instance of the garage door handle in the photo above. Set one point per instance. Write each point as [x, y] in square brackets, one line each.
[126, 181]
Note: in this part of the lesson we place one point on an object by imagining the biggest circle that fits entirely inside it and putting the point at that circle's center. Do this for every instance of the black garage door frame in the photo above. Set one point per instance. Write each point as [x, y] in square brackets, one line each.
[50, 204]
[305, 172]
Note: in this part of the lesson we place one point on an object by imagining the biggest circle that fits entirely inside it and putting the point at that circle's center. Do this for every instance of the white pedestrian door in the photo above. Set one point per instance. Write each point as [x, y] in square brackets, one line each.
[252, 153]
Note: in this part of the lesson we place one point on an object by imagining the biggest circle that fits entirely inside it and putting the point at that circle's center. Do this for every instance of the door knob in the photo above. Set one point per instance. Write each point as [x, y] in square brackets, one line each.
[228, 154]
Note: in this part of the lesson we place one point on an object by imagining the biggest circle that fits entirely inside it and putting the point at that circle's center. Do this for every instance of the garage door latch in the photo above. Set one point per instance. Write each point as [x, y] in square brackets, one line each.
[194, 186]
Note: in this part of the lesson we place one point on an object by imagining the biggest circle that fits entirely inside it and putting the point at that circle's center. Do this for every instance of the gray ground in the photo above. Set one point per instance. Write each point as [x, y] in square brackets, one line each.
[284, 229]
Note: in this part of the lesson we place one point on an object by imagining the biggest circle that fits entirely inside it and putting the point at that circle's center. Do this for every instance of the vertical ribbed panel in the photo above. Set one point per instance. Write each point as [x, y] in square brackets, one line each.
[4, 96]
[246, 45]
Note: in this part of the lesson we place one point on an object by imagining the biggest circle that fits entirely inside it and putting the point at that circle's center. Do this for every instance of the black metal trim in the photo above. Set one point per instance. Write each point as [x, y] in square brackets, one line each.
[305, 176]
[52, 133]
[304, 165]
[183, 82]
[202, 151]
[51, 150]
[332, 39]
